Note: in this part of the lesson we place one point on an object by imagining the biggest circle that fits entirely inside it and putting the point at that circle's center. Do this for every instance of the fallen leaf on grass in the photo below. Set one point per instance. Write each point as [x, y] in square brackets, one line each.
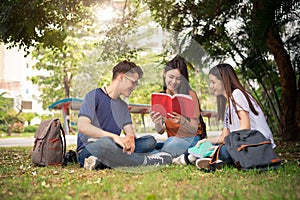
[55, 172]
[44, 184]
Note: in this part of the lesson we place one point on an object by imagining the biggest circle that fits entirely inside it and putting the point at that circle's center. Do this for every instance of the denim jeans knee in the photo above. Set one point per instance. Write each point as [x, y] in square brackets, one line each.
[145, 144]
[177, 146]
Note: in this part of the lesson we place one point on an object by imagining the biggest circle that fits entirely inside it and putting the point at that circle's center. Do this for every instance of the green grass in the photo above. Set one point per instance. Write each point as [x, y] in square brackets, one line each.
[17, 135]
[21, 180]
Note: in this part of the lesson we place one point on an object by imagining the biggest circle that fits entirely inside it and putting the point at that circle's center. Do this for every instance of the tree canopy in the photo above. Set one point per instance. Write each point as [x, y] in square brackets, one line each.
[27, 23]
[261, 37]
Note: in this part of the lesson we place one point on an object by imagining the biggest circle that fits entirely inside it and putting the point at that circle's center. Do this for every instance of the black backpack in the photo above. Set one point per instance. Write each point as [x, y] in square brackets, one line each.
[49, 144]
[250, 149]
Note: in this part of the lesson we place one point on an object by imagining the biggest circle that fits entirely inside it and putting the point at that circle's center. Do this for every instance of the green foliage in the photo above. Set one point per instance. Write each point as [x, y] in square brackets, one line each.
[57, 29]
[237, 31]
[3, 128]
[5, 105]
[114, 46]
[38, 21]
[62, 64]
[28, 116]
[30, 129]
[45, 117]
[10, 115]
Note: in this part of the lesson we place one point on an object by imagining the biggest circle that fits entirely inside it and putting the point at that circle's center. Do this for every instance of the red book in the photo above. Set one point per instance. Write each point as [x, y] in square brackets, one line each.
[165, 103]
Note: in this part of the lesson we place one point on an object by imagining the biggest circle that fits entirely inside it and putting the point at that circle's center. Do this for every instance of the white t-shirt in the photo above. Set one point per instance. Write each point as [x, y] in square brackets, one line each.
[257, 122]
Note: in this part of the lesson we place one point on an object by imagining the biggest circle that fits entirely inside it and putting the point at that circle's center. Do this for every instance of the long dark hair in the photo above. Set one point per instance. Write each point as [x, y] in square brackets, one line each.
[179, 63]
[227, 75]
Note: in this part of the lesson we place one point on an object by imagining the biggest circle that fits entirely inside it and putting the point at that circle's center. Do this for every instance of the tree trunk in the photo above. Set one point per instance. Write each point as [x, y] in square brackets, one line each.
[288, 111]
[9, 130]
[67, 86]
[298, 109]
[14, 118]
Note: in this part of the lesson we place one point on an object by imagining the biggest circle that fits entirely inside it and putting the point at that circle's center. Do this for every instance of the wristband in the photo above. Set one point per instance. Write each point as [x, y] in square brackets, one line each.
[184, 121]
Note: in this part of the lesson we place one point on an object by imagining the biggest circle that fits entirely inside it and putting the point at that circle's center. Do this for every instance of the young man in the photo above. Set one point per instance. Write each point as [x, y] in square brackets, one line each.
[102, 117]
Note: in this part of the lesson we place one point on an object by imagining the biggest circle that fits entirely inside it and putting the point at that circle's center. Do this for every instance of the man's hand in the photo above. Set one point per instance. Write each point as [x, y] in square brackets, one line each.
[127, 143]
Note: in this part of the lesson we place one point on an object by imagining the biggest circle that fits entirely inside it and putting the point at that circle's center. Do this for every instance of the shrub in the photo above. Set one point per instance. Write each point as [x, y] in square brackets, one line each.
[18, 127]
[3, 128]
[30, 129]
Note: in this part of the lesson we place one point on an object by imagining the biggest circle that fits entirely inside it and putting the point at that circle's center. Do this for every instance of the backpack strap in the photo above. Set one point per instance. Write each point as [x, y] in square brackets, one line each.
[252, 145]
[62, 135]
[215, 156]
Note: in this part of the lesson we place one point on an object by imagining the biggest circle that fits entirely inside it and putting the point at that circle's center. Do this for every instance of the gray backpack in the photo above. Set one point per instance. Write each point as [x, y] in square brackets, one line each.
[49, 144]
[250, 149]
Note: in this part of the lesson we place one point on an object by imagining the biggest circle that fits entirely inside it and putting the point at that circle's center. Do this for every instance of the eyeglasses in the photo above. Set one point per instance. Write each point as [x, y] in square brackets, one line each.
[134, 82]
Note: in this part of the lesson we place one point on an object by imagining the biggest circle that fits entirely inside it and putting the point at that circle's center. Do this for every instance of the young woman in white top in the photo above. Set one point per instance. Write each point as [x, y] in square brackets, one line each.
[242, 112]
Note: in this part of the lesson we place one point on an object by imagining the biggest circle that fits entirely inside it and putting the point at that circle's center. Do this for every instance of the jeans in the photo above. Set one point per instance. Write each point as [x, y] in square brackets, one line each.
[224, 155]
[111, 154]
[177, 146]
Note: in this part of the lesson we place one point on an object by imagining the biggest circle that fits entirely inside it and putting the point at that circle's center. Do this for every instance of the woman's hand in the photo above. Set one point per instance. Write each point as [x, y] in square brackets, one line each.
[177, 118]
[156, 117]
[200, 142]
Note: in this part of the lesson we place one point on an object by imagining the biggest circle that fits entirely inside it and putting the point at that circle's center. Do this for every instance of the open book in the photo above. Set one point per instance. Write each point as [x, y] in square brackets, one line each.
[205, 149]
[165, 103]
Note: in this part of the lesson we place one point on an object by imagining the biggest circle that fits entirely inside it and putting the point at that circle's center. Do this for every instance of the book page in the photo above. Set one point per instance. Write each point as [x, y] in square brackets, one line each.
[162, 103]
[184, 105]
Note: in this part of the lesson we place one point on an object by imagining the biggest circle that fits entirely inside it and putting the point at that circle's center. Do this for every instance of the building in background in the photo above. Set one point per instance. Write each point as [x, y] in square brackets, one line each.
[15, 70]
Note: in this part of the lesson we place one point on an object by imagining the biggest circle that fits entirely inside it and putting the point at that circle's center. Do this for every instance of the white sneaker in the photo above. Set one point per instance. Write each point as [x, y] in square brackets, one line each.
[203, 163]
[91, 163]
[180, 160]
[192, 159]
